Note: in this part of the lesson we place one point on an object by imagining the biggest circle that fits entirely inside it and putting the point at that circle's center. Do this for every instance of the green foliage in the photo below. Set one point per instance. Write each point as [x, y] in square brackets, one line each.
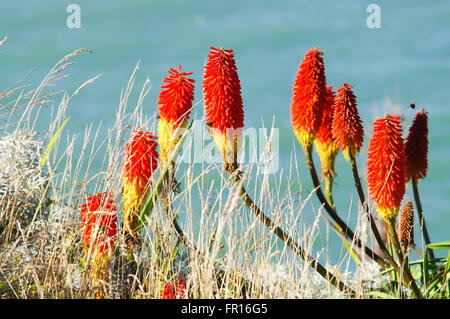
[52, 142]
[436, 273]
[433, 275]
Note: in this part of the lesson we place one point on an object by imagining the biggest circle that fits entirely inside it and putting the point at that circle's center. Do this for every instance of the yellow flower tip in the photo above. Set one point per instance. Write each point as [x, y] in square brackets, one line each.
[98, 271]
[305, 138]
[164, 135]
[168, 135]
[134, 196]
[347, 151]
[100, 260]
[229, 142]
[389, 214]
[327, 153]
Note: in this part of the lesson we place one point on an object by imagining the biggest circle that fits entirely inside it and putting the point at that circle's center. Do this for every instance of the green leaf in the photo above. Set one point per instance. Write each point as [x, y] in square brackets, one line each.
[440, 245]
[436, 278]
[386, 271]
[52, 142]
[447, 265]
[416, 272]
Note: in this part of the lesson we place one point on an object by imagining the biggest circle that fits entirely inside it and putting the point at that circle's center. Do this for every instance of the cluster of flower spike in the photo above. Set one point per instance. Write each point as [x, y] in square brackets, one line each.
[225, 116]
[333, 123]
[318, 115]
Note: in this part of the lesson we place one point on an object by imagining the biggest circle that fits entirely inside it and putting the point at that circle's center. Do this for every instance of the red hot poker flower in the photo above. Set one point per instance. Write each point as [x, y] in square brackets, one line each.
[347, 129]
[175, 100]
[386, 167]
[325, 146]
[99, 219]
[223, 103]
[140, 157]
[175, 290]
[308, 99]
[416, 147]
[175, 104]
[139, 163]
[222, 91]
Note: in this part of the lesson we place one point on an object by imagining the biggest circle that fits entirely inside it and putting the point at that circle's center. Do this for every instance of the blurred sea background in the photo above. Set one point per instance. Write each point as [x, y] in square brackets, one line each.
[406, 60]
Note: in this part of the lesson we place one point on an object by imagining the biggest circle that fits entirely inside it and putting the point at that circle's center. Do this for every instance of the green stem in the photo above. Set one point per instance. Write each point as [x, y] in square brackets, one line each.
[345, 230]
[173, 218]
[421, 217]
[365, 205]
[286, 238]
[405, 268]
[329, 196]
[328, 190]
[396, 283]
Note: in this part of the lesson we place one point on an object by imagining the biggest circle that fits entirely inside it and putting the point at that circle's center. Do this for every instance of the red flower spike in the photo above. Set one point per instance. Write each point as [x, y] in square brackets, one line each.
[175, 104]
[347, 129]
[175, 290]
[222, 91]
[223, 103]
[386, 167]
[139, 163]
[308, 99]
[325, 146]
[416, 147]
[99, 221]
[175, 100]
[140, 157]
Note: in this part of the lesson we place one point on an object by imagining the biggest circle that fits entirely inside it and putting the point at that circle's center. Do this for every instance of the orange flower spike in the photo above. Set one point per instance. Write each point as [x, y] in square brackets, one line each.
[99, 221]
[223, 103]
[416, 147]
[386, 167]
[308, 99]
[347, 129]
[325, 146]
[139, 163]
[175, 104]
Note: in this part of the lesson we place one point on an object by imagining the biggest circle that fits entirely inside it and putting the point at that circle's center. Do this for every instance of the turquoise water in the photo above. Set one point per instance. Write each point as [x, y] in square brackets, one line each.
[407, 59]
